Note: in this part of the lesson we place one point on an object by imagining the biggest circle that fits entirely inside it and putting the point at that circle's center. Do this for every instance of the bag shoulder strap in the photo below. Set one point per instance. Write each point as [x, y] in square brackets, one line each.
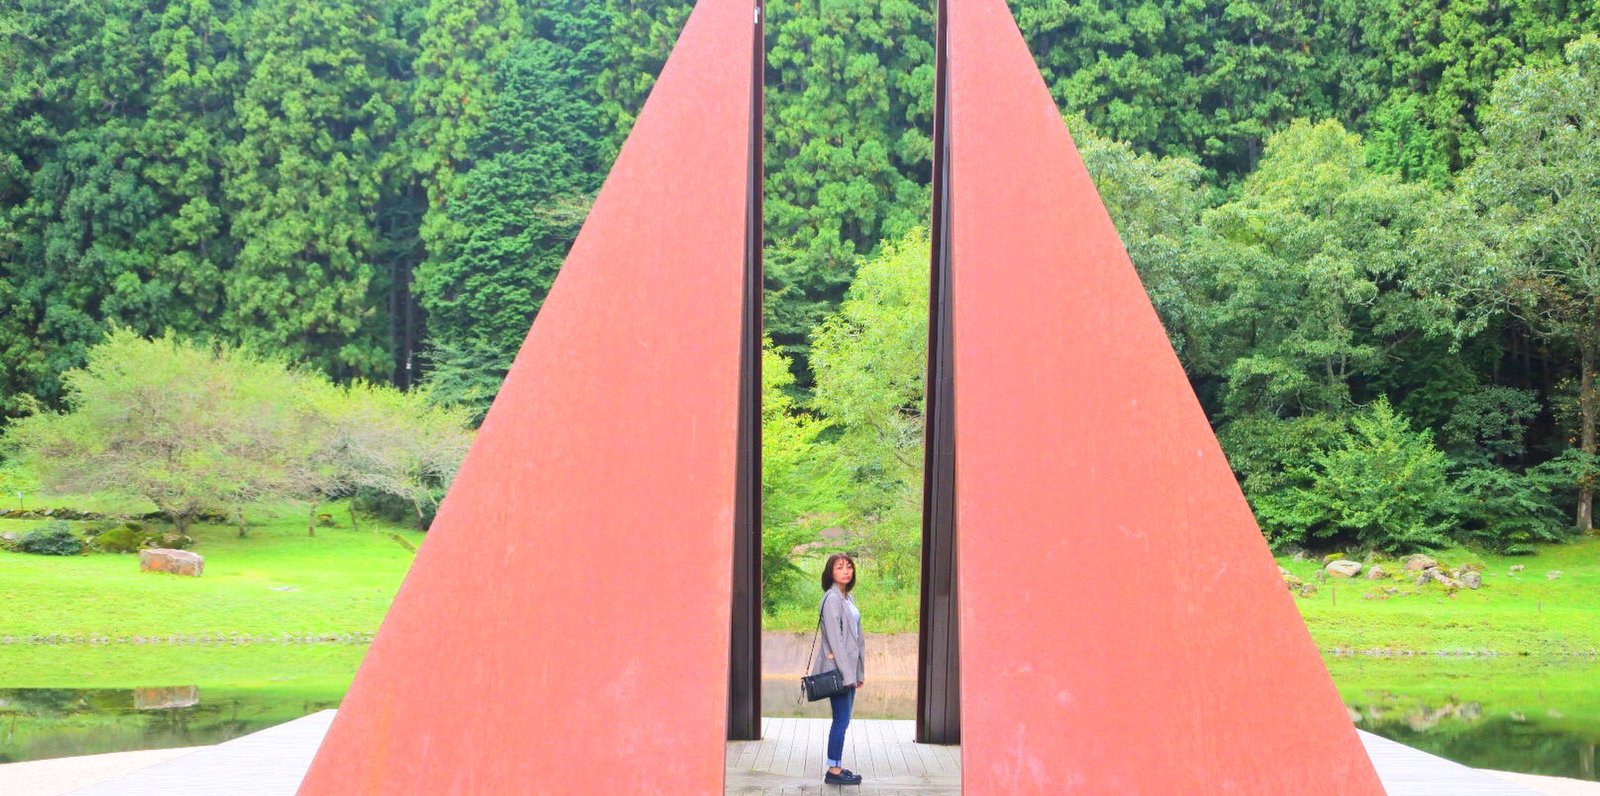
[811, 656]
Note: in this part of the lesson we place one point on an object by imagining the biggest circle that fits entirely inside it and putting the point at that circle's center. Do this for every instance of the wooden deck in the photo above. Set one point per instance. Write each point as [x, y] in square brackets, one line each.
[786, 762]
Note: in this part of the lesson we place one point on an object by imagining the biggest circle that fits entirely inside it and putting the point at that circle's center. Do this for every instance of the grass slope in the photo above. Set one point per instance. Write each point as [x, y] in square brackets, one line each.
[279, 581]
[1514, 613]
[275, 581]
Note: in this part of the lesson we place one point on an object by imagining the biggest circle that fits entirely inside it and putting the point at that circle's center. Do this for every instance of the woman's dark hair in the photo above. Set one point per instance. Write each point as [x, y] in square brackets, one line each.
[827, 572]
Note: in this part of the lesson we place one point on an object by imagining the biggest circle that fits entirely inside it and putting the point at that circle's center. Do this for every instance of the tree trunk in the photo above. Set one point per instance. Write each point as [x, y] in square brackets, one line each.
[311, 521]
[238, 514]
[353, 525]
[1587, 406]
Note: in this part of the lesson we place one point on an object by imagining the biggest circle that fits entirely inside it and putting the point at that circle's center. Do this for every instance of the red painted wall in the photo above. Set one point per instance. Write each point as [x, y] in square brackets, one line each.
[1124, 629]
[564, 628]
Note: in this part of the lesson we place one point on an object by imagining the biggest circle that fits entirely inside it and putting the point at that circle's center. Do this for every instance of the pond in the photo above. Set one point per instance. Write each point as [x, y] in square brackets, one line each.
[1536, 716]
[38, 723]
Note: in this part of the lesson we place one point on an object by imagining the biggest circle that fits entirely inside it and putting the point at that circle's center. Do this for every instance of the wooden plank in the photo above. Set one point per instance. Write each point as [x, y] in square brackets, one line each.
[929, 762]
[896, 749]
[795, 760]
[769, 745]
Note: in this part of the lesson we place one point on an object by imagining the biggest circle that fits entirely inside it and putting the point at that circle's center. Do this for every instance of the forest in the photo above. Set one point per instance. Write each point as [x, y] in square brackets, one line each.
[1372, 228]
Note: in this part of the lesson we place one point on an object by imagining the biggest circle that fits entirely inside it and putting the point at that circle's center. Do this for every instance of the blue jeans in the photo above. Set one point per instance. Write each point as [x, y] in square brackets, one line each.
[841, 703]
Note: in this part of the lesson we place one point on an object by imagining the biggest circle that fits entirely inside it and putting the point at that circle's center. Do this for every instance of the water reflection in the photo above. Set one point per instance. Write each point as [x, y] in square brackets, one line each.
[1528, 715]
[1534, 717]
[878, 699]
[39, 723]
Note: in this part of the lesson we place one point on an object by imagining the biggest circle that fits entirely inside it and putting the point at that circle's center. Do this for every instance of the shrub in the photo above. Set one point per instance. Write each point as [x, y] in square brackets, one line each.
[1269, 455]
[1382, 486]
[133, 537]
[52, 539]
[1506, 512]
[116, 540]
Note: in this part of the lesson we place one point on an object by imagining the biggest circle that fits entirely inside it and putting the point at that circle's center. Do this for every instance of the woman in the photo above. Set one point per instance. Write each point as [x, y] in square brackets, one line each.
[841, 649]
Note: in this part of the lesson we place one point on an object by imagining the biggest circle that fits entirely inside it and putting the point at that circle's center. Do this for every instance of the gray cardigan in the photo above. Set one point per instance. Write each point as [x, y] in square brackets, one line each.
[841, 636]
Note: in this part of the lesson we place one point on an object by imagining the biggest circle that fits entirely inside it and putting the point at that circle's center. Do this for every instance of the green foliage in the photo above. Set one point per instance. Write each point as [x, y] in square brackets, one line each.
[869, 359]
[1381, 485]
[466, 374]
[1295, 300]
[1490, 425]
[1269, 454]
[132, 537]
[462, 43]
[194, 429]
[317, 117]
[849, 110]
[55, 538]
[188, 428]
[375, 440]
[517, 211]
[1538, 181]
[1507, 512]
[800, 485]
[640, 36]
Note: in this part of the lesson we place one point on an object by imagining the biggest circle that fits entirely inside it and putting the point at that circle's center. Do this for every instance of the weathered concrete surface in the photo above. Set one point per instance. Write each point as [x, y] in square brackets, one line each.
[67, 774]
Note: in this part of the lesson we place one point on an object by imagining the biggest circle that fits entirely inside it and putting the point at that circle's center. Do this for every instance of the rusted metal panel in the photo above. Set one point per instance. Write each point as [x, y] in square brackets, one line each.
[744, 652]
[1124, 628]
[565, 627]
[938, 664]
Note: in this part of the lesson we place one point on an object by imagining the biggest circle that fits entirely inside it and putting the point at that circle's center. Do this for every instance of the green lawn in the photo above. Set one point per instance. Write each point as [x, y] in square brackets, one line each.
[275, 581]
[1521, 613]
[322, 668]
[278, 581]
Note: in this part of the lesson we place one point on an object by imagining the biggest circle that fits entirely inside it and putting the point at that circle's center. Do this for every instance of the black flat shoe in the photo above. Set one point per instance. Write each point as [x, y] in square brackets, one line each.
[844, 777]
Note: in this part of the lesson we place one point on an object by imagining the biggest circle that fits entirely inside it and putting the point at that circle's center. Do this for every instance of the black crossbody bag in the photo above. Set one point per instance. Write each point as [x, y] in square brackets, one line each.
[822, 684]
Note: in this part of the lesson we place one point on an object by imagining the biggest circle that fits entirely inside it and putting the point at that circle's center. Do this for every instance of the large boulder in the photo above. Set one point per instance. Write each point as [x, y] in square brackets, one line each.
[1472, 579]
[1344, 568]
[178, 562]
[1377, 572]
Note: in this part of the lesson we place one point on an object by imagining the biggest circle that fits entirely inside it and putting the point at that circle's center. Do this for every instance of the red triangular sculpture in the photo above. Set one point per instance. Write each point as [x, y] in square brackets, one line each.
[1124, 629]
[565, 627]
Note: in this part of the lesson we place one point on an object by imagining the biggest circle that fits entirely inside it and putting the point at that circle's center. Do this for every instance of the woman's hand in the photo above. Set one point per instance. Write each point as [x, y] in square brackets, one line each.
[860, 683]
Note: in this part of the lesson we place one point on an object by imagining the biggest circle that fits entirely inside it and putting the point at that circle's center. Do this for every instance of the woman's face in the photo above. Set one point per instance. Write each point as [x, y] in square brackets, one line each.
[844, 572]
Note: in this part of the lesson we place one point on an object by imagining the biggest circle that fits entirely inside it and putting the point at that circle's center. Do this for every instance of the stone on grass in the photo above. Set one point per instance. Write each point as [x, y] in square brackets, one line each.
[1518, 567]
[1471, 579]
[177, 562]
[1420, 562]
[1552, 574]
[1344, 568]
[1377, 572]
